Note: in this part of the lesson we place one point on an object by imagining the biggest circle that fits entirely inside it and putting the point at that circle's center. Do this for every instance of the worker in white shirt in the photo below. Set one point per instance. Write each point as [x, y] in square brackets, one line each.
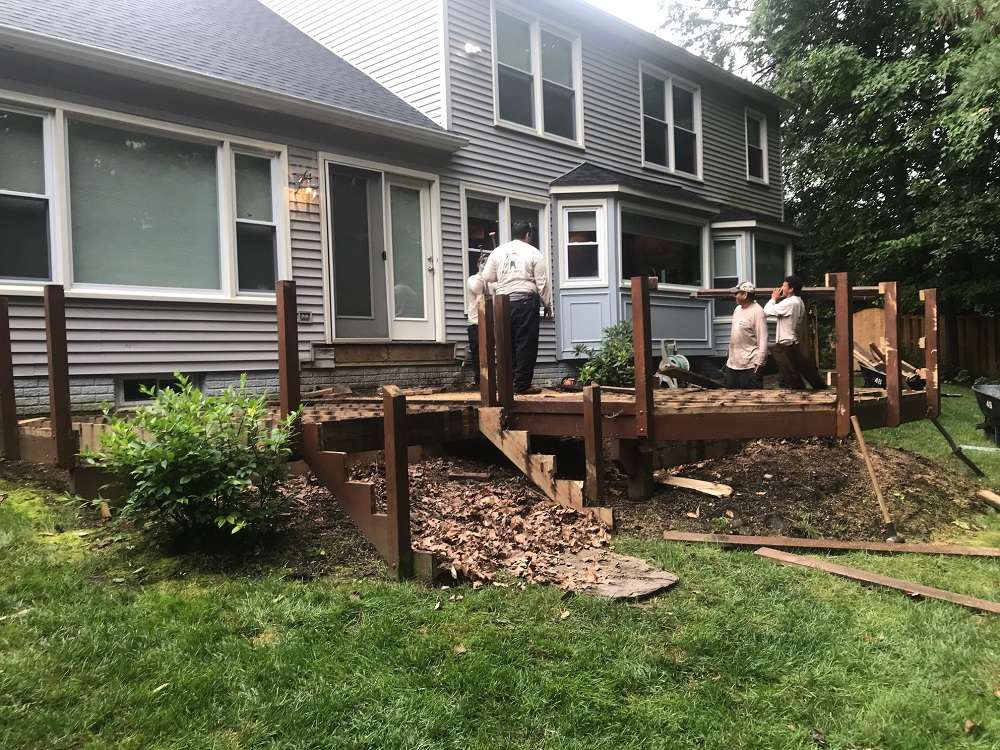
[517, 269]
[475, 290]
[793, 366]
[747, 341]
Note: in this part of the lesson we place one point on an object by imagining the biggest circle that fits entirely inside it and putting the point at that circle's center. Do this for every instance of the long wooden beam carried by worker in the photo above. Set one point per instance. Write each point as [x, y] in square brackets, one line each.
[864, 576]
[809, 293]
[830, 545]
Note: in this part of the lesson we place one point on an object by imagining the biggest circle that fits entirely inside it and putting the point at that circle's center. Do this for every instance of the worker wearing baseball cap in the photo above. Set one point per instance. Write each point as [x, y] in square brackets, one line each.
[747, 341]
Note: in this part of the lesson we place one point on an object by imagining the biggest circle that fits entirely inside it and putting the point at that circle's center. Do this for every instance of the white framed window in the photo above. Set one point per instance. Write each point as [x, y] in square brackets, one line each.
[488, 220]
[771, 261]
[671, 122]
[669, 246]
[26, 218]
[756, 129]
[583, 251]
[138, 208]
[537, 77]
[725, 261]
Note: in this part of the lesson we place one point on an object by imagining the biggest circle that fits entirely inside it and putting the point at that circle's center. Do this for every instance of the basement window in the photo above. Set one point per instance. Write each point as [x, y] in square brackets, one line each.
[131, 390]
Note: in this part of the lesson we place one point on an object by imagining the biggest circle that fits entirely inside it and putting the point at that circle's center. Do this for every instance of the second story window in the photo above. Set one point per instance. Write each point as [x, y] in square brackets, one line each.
[756, 147]
[671, 123]
[537, 83]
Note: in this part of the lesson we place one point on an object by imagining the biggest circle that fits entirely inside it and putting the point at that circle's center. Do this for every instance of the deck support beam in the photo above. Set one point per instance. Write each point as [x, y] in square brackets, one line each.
[397, 482]
[504, 352]
[642, 344]
[594, 487]
[930, 343]
[289, 378]
[844, 330]
[487, 353]
[893, 363]
[9, 433]
[636, 457]
[59, 404]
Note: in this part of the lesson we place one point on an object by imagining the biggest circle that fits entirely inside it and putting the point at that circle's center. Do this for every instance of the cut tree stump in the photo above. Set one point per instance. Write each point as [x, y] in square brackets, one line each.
[831, 545]
[698, 485]
[865, 576]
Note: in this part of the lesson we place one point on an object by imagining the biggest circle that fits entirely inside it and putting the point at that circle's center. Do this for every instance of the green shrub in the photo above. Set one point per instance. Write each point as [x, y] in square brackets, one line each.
[199, 464]
[613, 363]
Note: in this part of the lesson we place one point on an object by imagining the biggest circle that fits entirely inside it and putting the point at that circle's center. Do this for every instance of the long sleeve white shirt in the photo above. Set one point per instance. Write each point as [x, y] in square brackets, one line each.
[790, 312]
[519, 270]
[748, 340]
[475, 290]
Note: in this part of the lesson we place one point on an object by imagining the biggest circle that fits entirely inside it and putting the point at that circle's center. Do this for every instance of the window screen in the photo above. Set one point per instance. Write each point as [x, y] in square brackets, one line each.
[654, 120]
[755, 147]
[685, 137]
[558, 96]
[515, 82]
[144, 209]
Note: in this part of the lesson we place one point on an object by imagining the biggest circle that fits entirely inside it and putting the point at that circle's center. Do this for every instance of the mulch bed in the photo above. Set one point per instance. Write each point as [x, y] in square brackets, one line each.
[815, 487]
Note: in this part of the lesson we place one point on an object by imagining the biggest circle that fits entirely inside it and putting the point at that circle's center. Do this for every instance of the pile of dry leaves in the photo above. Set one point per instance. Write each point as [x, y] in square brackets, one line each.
[478, 527]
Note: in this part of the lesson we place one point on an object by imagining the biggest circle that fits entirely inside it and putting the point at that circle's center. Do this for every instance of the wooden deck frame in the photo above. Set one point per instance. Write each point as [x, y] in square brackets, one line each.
[9, 432]
[63, 437]
[487, 353]
[504, 356]
[844, 331]
[893, 360]
[289, 374]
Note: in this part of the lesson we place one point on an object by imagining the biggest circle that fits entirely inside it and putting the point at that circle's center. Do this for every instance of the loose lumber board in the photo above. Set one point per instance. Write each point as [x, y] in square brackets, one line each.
[865, 576]
[832, 545]
[698, 485]
[611, 575]
[990, 498]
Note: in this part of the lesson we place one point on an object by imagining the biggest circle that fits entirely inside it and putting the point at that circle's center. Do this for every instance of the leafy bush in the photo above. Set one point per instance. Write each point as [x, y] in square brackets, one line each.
[613, 363]
[199, 464]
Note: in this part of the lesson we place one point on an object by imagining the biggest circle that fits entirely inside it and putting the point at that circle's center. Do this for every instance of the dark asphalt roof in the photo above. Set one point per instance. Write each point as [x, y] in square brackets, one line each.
[591, 174]
[731, 213]
[239, 41]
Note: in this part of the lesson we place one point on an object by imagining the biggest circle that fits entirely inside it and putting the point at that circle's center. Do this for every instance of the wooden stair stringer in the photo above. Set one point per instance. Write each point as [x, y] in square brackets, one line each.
[356, 498]
[539, 468]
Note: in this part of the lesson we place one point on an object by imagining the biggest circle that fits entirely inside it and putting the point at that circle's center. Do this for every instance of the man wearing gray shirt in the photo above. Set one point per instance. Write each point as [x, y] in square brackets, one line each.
[793, 366]
[747, 341]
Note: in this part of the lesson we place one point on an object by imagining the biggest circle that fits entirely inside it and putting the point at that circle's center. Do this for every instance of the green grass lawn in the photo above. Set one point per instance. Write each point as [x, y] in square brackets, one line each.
[112, 647]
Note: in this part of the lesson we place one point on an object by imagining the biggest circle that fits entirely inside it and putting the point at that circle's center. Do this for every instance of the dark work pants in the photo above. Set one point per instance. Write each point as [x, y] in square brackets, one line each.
[794, 367]
[472, 352]
[524, 338]
[746, 380]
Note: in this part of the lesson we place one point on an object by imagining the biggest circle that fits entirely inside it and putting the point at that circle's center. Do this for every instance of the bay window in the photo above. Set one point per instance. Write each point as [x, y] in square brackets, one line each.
[137, 207]
[724, 262]
[583, 245]
[24, 198]
[756, 147]
[671, 122]
[654, 246]
[769, 263]
[537, 83]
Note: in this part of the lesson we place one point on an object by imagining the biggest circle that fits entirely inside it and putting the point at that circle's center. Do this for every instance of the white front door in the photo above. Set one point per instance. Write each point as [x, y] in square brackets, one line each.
[410, 260]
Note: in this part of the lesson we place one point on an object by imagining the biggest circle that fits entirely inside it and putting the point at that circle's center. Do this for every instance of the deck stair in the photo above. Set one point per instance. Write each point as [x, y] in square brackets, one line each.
[539, 468]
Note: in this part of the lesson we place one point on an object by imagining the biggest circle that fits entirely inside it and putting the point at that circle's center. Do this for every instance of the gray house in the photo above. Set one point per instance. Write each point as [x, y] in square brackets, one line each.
[635, 156]
[166, 162]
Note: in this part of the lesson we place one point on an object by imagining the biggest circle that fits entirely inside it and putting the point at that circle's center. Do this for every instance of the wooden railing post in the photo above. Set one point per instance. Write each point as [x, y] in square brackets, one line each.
[593, 440]
[642, 345]
[893, 360]
[58, 356]
[289, 377]
[397, 482]
[930, 343]
[8, 405]
[844, 329]
[504, 351]
[487, 353]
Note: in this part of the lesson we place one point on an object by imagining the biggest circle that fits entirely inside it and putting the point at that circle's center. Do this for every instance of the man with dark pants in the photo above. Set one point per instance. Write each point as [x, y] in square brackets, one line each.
[793, 366]
[517, 269]
[747, 341]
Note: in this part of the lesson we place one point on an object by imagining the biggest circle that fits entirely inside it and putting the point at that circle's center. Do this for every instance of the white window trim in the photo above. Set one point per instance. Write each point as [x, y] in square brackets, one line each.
[754, 236]
[538, 24]
[670, 80]
[504, 198]
[739, 238]
[706, 243]
[747, 114]
[600, 209]
[277, 187]
[57, 169]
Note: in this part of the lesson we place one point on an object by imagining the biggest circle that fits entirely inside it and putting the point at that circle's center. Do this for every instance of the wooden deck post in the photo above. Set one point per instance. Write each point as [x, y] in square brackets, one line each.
[893, 360]
[397, 482]
[8, 405]
[642, 345]
[845, 350]
[593, 440]
[504, 351]
[487, 353]
[289, 377]
[58, 356]
[930, 343]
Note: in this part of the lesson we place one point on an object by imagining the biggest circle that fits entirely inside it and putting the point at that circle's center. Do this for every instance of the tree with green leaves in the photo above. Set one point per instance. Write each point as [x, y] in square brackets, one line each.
[892, 142]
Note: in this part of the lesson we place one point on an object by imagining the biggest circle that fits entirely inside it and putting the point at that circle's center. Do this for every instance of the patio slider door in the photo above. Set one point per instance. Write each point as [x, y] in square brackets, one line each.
[410, 260]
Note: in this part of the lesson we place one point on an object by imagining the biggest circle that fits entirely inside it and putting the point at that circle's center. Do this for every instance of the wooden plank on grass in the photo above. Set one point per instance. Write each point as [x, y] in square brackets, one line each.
[739, 540]
[698, 485]
[865, 576]
[990, 498]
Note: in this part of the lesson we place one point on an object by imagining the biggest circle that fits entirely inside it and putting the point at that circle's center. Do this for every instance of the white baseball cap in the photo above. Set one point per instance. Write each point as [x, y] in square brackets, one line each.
[746, 286]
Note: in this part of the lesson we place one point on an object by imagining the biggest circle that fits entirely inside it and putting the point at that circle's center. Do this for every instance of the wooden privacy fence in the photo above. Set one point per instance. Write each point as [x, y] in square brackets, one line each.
[968, 342]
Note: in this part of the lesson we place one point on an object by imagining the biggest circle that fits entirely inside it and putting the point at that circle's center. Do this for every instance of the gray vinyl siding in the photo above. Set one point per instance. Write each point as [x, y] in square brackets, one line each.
[396, 43]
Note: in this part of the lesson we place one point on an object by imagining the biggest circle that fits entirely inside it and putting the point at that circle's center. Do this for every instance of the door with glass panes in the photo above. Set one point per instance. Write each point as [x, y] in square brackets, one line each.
[382, 256]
